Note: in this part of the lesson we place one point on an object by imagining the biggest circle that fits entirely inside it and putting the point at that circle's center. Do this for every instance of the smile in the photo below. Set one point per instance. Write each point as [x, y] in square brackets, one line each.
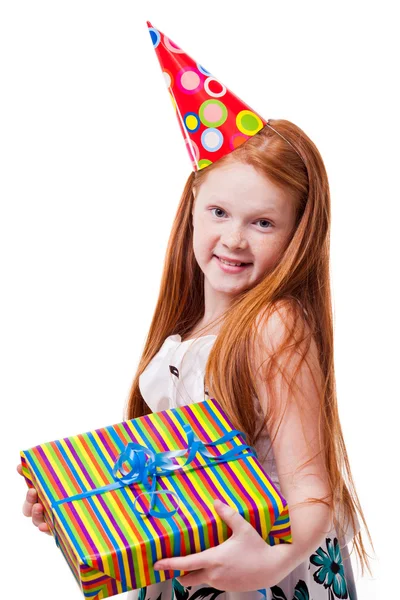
[231, 268]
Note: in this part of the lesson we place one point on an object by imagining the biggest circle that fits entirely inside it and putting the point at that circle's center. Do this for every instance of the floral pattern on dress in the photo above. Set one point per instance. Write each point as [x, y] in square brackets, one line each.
[179, 592]
[329, 573]
[300, 592]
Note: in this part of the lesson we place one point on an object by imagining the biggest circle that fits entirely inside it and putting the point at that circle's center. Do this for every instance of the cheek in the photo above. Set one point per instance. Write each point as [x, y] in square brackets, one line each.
[269, 244]
[262, 247]
[204, 235]
[266, 251]
[203, 244]
[200, 229]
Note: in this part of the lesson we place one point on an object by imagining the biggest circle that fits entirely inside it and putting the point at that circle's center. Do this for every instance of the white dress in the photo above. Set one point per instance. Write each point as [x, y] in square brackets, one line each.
[175, 377]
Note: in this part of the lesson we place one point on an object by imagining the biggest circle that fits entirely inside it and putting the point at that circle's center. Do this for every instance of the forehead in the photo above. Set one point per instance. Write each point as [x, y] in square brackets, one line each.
[235, 181]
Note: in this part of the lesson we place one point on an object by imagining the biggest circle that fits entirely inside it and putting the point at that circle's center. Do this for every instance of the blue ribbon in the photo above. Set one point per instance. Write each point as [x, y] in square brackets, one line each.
[141, 469]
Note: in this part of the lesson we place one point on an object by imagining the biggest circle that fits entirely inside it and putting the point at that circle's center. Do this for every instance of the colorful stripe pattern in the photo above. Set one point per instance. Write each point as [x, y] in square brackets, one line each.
[109, 548]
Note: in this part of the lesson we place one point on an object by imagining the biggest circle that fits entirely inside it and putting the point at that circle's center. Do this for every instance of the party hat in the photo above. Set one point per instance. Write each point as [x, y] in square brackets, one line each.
[213, 120]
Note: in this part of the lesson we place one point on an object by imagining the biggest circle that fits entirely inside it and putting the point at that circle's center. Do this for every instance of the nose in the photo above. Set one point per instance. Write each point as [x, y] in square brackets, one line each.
[234, 239]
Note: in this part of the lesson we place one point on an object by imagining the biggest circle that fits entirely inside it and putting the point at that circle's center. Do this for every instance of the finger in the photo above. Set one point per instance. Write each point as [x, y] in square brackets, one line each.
[30, 502]
[191, 562]
[196, 578]
[31, 499]
[232, 517]
[37, 514]
[45, 528]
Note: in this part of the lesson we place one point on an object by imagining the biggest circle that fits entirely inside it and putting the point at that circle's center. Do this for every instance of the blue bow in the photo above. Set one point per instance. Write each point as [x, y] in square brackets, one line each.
[141, 469]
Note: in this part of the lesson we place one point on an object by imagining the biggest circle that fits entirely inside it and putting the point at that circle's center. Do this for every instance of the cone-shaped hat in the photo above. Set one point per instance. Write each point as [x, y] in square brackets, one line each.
[212, 119]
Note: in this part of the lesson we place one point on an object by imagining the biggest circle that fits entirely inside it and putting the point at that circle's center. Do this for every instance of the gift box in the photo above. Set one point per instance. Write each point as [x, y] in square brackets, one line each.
[119, 498]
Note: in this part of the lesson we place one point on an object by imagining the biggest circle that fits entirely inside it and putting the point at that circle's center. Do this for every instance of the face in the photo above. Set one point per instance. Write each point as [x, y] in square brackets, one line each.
[241, 215]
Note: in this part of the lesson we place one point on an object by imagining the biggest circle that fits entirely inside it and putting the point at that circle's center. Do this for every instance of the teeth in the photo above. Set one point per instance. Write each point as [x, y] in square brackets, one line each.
[228, 263]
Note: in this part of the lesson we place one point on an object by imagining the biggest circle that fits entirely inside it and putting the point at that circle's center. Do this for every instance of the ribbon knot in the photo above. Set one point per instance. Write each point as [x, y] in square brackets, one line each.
[145, 464]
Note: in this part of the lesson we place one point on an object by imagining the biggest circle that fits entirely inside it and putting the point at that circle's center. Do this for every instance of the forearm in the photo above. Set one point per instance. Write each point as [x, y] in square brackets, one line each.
[309, 523]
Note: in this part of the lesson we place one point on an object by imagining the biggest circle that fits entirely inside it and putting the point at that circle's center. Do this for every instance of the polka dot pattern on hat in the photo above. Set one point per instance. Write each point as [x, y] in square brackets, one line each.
[212, 119]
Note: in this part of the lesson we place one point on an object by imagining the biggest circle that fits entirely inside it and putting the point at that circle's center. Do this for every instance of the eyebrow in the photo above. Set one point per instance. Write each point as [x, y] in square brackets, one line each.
[269, 209]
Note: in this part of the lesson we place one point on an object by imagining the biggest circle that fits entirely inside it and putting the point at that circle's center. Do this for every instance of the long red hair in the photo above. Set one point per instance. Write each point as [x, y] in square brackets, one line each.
[300, 280]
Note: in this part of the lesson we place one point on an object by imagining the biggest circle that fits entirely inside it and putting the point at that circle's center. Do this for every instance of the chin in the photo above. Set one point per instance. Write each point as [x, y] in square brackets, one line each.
[227, 287]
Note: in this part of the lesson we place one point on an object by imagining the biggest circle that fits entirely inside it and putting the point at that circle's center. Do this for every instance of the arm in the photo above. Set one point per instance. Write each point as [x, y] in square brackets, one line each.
[308, 525]
[294, 421]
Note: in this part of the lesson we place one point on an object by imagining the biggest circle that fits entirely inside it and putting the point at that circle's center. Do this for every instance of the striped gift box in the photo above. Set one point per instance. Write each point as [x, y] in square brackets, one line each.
[111, 539]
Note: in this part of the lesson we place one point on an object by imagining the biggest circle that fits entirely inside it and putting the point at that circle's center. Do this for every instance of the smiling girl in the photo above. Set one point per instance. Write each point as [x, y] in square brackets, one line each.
[244, 316]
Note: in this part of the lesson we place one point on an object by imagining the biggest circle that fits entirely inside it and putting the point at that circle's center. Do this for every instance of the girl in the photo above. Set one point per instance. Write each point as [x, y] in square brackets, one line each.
[259, 338]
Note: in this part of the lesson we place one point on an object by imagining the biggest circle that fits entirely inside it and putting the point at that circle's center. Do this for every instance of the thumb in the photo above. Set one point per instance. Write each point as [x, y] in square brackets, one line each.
[232, 517]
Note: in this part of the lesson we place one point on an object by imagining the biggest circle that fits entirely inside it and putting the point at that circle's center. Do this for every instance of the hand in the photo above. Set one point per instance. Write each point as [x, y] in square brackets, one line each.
[32, 508]
[239, 564]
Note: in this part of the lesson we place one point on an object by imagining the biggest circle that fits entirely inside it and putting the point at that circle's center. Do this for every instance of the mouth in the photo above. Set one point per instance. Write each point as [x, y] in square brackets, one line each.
[232, 268]
[236, 263]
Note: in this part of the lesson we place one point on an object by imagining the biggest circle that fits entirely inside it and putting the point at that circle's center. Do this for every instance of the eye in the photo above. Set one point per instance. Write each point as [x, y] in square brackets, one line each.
[259, 220]
[266, 221]
[217, 209]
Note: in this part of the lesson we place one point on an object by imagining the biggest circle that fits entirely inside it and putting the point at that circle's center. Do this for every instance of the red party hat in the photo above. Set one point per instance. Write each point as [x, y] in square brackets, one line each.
[212, 119]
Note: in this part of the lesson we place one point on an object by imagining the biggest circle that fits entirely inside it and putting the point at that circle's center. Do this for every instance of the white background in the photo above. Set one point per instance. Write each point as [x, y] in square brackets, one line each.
[92, 168]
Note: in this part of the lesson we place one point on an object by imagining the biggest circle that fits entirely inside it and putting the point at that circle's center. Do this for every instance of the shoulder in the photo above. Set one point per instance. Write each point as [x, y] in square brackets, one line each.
[284, 321]
[283, 341]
